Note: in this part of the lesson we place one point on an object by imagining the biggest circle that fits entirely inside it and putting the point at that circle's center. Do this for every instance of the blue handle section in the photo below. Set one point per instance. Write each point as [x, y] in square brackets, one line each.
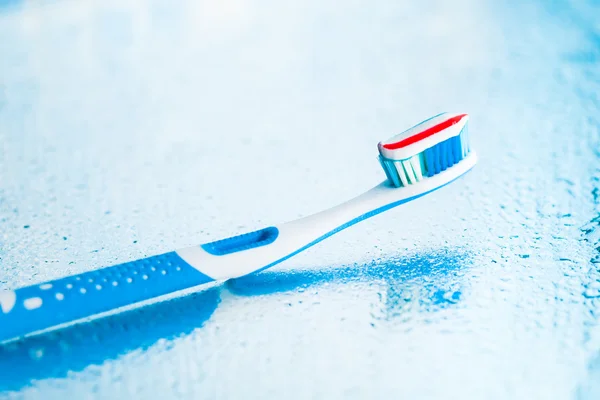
[64, 300]
[246, 241]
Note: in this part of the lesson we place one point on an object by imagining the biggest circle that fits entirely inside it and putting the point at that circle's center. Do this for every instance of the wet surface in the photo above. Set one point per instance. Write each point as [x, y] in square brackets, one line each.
[131, 130]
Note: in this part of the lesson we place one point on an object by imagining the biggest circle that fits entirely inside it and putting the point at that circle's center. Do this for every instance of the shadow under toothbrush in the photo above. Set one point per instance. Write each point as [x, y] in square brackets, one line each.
[428, 281]
[54, 354]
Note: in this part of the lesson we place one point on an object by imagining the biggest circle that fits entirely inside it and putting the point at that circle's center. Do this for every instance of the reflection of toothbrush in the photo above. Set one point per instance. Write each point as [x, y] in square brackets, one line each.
[418, 161]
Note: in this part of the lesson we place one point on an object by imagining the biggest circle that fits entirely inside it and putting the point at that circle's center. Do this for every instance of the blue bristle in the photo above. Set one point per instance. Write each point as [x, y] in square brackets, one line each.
[433, 161]
[393, 173]
[457, 149]
[449, 154]
[429, 157]
[443, 155]
[385, 168]
[452, 144]
[450, 147]
[436, 159]
[446, 154]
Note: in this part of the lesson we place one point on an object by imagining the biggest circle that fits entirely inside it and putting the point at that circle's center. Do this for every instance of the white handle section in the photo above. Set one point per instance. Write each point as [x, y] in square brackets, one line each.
[296, 235]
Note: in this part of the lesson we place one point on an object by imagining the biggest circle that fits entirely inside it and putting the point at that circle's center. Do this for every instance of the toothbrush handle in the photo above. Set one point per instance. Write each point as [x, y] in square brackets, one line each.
[42, 306]
[68, 299]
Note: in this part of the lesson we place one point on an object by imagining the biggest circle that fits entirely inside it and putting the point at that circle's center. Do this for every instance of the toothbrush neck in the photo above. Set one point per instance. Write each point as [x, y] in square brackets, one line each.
[368, 204]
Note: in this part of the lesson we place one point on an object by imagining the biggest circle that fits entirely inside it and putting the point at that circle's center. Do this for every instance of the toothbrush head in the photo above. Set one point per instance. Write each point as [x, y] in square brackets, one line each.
[426, 149]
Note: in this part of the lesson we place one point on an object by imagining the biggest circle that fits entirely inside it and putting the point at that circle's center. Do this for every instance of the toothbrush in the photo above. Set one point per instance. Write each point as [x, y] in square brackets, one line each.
[418, 161]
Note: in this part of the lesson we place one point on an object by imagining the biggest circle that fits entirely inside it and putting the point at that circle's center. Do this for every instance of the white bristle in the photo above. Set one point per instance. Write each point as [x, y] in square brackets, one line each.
[464, 141]
[401, 173]
[416, 164]
[409, 171]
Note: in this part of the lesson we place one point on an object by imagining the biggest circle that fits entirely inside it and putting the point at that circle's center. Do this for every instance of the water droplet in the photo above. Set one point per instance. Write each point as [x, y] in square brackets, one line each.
[36, 353]
[452, 297]
[591, 293]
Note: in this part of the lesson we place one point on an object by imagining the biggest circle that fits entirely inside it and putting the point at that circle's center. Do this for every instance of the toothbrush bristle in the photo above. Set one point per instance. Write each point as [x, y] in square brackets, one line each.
[410, 169]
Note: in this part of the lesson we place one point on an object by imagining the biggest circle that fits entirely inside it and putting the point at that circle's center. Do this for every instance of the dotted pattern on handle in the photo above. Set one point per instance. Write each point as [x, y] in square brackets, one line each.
[63, 300]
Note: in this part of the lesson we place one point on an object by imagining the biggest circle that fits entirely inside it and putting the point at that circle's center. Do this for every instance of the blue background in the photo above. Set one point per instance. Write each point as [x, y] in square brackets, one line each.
[132, 128]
